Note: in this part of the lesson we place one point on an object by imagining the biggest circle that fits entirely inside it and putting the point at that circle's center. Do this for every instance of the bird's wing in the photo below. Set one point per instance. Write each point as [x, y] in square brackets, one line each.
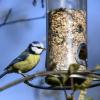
[21, 57]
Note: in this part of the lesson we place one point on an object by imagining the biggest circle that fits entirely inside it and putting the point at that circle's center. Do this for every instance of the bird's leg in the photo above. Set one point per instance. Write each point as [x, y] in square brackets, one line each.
[23, 74]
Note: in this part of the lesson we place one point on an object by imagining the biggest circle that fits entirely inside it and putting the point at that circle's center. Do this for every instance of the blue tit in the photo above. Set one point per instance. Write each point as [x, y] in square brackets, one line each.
[81, 56]
[27, 60]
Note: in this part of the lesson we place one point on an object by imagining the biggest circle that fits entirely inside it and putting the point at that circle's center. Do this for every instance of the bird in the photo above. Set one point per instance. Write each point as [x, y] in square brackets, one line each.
[26, 61]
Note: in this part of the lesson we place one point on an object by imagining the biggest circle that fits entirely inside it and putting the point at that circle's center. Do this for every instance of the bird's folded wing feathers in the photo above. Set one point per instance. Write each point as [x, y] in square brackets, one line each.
[21, 57]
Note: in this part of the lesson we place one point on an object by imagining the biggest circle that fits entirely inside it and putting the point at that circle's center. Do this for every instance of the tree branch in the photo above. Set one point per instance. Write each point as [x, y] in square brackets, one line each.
[82, 94]
[42, 3]
[7, 16]
[34, 2]
[42, 74]
[57, 87]
[21, 20]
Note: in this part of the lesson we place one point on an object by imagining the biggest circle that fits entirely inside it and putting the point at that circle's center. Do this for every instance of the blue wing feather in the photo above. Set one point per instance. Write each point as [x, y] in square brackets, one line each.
[21, 57]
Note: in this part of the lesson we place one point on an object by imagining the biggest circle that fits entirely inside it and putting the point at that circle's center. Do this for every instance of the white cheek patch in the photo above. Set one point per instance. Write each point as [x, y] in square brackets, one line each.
[36, 50]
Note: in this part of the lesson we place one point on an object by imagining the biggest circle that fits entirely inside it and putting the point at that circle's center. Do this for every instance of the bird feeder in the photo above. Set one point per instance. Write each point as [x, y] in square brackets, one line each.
[66, 39]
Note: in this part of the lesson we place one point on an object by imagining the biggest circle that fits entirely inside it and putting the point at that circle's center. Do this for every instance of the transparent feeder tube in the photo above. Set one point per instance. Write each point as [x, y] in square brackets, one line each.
[66, 39]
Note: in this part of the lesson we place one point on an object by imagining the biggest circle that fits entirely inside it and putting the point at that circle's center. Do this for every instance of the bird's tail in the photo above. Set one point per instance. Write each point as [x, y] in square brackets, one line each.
[4, 73]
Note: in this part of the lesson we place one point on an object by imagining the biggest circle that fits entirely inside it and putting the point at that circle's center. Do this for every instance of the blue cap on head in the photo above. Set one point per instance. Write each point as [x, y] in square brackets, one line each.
[36, 42]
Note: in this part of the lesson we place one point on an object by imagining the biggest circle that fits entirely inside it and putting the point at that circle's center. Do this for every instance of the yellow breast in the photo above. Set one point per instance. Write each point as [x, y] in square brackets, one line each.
[28, 64]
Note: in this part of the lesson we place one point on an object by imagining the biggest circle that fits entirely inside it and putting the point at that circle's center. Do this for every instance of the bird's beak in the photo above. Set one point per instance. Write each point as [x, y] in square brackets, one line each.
[44, 49]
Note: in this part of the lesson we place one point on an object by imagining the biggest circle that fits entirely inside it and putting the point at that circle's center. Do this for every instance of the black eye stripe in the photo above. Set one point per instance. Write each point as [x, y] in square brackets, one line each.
[39, 47]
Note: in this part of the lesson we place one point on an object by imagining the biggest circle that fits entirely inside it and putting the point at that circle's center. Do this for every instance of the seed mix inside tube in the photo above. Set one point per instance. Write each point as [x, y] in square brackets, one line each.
[66, 32]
